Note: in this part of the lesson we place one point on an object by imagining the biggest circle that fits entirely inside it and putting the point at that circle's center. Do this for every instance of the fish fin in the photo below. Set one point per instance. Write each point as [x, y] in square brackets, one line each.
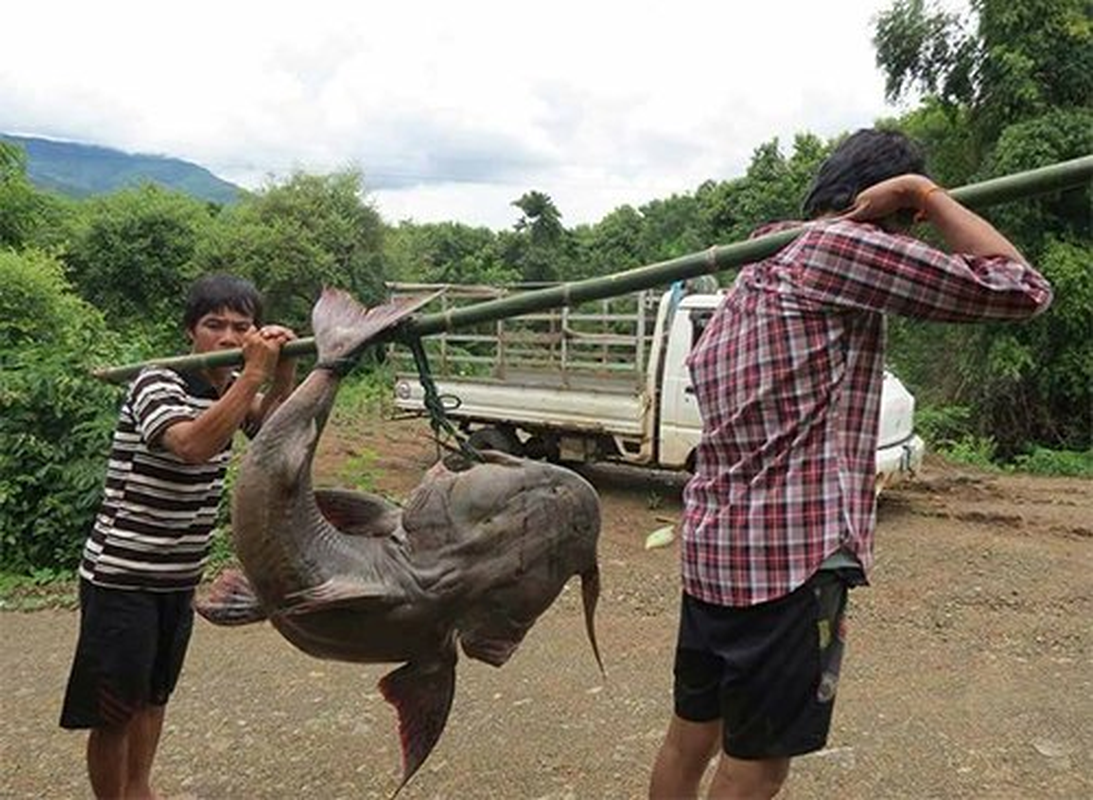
[339, 593]
[422, 697]
[230, 601]
[343, 326]
[590, 595]
[492, 650]
[358, 513]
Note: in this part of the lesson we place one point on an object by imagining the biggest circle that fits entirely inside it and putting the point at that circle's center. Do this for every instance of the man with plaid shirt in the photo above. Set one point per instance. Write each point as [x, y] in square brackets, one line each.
[779, 515]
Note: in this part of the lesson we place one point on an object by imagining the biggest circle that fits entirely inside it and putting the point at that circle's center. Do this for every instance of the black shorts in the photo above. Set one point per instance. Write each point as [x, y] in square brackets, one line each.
[768, 672]
[129, 655]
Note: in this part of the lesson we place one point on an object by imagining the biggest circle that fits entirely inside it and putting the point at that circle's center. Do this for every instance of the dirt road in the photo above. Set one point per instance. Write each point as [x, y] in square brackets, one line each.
[969, 671]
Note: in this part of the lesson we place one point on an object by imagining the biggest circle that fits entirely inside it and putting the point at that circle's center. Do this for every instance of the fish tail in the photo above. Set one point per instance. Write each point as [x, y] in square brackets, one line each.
[343, 326]
[590, 595]
[422, 697]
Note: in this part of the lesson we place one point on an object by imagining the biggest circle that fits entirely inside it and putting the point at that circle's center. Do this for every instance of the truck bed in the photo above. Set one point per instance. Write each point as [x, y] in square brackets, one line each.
[580, 368]
[595, 406]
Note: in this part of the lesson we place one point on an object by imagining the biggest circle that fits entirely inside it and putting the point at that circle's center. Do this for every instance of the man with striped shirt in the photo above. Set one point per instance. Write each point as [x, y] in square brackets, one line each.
[150, 539]
[779, 515]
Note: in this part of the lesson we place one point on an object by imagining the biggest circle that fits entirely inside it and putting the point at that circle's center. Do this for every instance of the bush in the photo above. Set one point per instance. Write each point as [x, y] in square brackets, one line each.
[365, 394]
[55, 418]
[1070, 463]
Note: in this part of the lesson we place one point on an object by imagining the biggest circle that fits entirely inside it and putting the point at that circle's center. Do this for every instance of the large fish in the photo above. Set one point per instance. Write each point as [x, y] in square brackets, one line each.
[476, 555]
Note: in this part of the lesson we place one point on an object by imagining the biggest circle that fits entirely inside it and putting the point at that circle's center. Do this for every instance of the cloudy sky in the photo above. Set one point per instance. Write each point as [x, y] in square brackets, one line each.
[451, 109]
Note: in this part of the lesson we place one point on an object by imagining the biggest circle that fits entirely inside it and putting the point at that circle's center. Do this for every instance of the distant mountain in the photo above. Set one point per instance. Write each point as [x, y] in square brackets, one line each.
[81, 170]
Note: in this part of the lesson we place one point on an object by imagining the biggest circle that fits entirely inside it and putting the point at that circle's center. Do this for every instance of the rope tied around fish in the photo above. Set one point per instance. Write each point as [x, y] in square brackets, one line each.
[434, 403]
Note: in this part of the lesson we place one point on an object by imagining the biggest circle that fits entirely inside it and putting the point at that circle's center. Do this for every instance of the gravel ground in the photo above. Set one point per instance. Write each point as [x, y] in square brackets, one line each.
[969, 671]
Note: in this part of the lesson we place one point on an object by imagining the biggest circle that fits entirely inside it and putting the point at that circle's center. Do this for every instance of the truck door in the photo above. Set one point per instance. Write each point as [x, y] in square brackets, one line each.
[680, 421]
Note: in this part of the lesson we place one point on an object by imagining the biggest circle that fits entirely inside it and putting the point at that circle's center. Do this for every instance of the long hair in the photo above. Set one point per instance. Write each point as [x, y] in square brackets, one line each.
[865, 158]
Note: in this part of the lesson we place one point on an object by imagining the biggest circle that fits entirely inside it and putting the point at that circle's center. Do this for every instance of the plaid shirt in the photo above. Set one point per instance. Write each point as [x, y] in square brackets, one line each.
[788, 378]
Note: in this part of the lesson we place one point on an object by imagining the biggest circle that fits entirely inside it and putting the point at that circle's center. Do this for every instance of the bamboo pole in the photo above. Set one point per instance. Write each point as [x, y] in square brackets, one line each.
[1019, 186]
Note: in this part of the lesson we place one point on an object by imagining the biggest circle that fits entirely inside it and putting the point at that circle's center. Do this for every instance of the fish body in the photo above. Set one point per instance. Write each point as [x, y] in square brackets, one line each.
[475, 556]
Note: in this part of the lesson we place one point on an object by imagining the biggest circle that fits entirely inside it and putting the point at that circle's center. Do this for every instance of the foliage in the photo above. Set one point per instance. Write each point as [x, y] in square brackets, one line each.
[541, 248]
[133, 256]
[951, 432]
[946, 134]
[445, 252]
[365, 394]
[359, 471]
[613, 244]
[1021, 61]
[28, 217]
[41, 588]
[978, 451]
[221, 550]
[294, 238]
[926, 48]
[55, 419]
[772, 189]
[1069, 463]
[940, 426]
[1007, 91]
[1056, 136]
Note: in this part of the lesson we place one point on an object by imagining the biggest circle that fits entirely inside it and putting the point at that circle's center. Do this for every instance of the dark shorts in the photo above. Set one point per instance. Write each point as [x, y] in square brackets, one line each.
[129, 655]
[768, 672]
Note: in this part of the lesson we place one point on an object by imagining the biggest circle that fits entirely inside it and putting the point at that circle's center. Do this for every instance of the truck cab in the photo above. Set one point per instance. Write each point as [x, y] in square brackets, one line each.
[899, 449]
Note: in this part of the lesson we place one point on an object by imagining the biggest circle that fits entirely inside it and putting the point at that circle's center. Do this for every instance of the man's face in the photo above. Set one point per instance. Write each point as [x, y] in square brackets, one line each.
[222, 329]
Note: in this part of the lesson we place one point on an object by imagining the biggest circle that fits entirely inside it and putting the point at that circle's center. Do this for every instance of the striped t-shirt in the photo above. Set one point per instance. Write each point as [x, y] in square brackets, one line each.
[153, 529]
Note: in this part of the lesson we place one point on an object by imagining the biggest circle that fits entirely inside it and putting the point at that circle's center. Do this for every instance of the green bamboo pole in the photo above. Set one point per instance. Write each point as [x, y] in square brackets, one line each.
[1019, 186]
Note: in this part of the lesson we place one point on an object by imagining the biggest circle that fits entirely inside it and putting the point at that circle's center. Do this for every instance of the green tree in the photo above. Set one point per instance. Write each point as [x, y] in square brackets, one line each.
[612, 244]
[132, 257]
[772, 188]
[541, 249]
[1021, 61]
[295, 237]
[446, 252]
[28, 217]
[55, 418]
[1007, 91]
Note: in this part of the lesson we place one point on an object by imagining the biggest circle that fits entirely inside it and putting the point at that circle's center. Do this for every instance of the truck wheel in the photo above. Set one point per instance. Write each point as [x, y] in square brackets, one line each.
[543, 448]
[499, 439]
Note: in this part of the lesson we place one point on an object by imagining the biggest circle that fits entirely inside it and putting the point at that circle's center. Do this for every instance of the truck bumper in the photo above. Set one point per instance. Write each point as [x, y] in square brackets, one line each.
[898, 462]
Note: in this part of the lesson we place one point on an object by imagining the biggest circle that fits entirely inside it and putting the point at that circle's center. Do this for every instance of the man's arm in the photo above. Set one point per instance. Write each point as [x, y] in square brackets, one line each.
[844, 264]
[963, 230]
[198, 440]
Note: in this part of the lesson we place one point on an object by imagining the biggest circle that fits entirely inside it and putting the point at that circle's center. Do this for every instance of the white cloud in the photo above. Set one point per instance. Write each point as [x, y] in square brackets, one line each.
[452, 110]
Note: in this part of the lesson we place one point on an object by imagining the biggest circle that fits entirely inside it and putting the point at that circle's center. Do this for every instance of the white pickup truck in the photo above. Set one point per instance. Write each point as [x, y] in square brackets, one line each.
[603, 381]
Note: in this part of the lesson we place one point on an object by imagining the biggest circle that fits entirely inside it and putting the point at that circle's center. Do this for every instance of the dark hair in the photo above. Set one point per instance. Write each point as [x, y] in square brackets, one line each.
[864, 159]
[214, 292]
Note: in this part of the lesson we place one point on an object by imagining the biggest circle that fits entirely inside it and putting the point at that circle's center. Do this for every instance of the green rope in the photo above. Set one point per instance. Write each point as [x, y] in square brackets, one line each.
[434, 403]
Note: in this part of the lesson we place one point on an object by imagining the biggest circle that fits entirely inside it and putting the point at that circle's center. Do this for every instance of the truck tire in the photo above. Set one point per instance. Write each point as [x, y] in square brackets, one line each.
[543, 448]
[494, 438]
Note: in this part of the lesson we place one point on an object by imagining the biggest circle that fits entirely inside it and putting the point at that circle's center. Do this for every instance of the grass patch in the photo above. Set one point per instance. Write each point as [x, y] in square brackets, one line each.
[950, 432]
[363, 395]
[359, 471]
[1066, 463]
[44, 588]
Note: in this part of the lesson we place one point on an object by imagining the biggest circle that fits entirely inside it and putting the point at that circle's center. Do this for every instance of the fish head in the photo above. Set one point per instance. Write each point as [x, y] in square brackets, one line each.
[462, 509]
[509, 532]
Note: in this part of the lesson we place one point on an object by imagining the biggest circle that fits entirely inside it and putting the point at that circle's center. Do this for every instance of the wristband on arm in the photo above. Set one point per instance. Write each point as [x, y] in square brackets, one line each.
[923, 196]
